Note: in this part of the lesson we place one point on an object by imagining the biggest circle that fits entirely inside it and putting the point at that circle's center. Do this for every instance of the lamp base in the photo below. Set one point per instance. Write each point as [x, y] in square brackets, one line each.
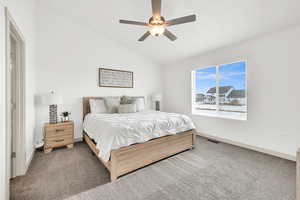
[53, 114]
[157, 105]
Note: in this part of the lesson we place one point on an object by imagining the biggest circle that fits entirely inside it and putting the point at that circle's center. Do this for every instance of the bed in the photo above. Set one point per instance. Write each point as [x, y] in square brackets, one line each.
[121, 155]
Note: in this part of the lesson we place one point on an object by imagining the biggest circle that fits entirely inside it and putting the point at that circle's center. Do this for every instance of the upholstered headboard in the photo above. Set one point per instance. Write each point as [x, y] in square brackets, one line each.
[86, 103]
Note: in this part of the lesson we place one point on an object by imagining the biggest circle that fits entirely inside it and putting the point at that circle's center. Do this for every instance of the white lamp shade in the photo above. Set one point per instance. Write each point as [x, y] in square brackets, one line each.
[156, 97]
[51, 99]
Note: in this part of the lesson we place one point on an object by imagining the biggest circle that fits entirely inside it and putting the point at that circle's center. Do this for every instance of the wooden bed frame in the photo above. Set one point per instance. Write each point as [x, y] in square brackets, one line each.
[133, 157]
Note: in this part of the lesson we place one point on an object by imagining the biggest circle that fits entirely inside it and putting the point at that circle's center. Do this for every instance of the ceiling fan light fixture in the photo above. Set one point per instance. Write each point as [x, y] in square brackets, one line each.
[157, 24]
[157, 30]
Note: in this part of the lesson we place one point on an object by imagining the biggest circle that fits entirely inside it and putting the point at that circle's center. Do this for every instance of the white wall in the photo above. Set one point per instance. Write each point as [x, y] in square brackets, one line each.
[68, 58]
[23, 13]
[273, 92]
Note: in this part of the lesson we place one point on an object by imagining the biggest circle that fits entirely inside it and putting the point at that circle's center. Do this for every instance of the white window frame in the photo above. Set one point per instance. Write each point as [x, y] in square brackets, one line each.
[218, 113]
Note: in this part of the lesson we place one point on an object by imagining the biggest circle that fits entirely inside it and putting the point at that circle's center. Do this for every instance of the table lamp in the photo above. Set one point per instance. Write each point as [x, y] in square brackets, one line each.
[52, 100]
[157, 99]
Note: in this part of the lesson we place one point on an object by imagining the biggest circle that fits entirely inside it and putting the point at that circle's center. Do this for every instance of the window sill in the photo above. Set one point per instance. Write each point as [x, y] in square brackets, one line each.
[223, 115]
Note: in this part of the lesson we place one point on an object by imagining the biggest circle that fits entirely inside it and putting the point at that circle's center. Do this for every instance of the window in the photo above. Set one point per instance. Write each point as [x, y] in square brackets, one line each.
[220, 91]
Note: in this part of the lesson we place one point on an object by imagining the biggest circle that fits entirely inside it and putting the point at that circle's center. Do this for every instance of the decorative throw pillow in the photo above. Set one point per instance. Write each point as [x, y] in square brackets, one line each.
[140, 104]
[97, 106]
[126, 100]
[127, 108]
[112, 104]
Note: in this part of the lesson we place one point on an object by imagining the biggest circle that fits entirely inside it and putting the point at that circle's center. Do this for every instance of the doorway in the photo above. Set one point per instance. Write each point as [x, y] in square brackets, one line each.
[15, 100]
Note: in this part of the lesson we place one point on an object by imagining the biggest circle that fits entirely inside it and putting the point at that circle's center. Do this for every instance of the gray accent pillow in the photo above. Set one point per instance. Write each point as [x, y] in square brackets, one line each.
[140, 104]
[126, 100]
[127, 108]
[112, 104]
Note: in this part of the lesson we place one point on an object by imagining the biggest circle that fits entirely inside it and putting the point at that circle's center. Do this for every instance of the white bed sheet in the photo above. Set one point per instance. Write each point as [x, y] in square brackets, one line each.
[113, 131]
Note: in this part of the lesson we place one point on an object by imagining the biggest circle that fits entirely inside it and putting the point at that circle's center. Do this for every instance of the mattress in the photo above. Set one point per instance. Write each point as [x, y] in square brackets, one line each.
[113, 131]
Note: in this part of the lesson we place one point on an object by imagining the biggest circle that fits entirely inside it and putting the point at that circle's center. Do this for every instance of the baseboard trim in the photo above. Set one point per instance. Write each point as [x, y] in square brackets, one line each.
[29, 161]
[246, 146]
[78, 139]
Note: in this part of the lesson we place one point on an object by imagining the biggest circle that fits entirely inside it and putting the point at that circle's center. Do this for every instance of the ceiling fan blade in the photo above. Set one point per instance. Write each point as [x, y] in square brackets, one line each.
[144, 36]
[133, 22]
[181, 20]
[170, 35]
[156, 7]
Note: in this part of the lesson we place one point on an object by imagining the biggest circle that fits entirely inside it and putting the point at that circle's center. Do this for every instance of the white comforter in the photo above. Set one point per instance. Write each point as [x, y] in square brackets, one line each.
[112, 131]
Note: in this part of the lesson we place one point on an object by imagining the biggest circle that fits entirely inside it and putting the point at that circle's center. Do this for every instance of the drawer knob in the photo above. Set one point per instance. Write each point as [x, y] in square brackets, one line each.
[59, 140]
[59, 130]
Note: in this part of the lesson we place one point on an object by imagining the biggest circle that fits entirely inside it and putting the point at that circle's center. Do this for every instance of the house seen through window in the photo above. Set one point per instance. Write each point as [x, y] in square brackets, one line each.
[220, 91]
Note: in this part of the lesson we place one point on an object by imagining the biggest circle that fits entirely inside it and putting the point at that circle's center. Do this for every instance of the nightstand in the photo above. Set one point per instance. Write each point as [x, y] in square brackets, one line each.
[57, 135]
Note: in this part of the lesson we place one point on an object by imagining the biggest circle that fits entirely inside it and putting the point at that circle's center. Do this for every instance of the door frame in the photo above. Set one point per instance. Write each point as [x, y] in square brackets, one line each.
[20, 160]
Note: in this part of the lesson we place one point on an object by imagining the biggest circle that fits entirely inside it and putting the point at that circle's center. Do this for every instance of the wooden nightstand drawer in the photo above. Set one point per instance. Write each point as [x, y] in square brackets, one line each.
[59, 141]
[58, 132]
[59, 128]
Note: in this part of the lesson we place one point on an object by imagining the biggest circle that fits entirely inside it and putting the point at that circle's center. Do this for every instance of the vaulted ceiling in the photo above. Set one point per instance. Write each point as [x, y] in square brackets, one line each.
[219, 22]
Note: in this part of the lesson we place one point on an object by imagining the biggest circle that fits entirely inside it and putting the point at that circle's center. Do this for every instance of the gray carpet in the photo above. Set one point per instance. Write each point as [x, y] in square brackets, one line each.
[60, 174]
[209, 172]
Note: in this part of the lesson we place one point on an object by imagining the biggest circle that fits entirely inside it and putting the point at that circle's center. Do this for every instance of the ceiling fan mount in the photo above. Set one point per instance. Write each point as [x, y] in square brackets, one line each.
[157, 20]
[157, 23]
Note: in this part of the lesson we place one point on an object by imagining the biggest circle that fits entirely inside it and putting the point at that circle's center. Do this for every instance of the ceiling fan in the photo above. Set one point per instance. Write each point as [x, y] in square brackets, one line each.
[157, 24]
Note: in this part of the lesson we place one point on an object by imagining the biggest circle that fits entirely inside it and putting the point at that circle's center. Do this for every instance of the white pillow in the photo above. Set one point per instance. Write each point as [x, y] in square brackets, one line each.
[127, 108]
[140, 104]
[97, 106]
[112, 104]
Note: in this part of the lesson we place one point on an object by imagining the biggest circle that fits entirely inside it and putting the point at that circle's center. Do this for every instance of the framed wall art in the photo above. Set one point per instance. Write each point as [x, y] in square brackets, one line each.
[115, 78]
